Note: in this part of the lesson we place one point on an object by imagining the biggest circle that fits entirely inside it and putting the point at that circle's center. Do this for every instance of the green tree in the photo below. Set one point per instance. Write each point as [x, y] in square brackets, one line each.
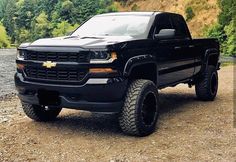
[25, 14]
[106, 6]
[4, 41]
[63, 29]
[228, 11]
[28, 20]
[3, 4]
[23, 35]
[225, 29]
[42, 26]
[216, 31]
[9, 19]
[48, 6]
[67, 11]
[230, 43]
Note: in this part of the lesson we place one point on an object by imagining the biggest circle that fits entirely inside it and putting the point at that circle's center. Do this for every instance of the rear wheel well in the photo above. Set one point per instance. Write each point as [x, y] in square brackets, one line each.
[212, 60]
[145, 71]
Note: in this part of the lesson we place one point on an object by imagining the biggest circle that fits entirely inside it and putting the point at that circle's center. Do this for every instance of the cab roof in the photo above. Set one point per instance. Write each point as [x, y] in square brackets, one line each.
[131, 13]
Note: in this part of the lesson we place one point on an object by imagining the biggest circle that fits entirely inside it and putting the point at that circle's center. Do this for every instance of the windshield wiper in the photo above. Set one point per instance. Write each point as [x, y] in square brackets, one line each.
[85, 37]
[93, 37]
[74, 36]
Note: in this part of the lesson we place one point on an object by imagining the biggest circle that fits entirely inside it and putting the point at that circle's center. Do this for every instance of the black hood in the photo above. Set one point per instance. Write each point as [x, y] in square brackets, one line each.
[84, 42]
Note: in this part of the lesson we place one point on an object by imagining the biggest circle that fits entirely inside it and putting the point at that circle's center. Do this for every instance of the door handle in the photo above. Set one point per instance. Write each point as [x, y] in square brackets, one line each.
[191, 46]
[177, 47]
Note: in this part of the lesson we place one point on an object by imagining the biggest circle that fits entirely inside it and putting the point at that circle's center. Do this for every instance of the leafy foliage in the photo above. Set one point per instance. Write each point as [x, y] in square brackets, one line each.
[9, 19]
[225, 29]
[135, 7]
[189, 13]
[63, 28]
[2, 8]
[230, 43]
[4, 42]
[28, 20]
[42, 26]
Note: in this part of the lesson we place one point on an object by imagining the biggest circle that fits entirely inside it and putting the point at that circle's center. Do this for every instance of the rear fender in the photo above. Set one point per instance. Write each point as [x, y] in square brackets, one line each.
[211, 57]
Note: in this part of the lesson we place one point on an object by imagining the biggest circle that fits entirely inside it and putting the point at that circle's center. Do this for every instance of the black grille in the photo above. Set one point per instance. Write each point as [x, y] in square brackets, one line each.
[55, 74]
[81, 56]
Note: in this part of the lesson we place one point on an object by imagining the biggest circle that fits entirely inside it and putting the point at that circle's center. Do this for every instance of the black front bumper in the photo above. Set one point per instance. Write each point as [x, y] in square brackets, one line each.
[91, 97]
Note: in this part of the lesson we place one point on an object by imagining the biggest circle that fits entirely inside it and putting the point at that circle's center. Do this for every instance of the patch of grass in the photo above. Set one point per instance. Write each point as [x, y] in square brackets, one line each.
[223, 64]
[198, 5]
[135, 7]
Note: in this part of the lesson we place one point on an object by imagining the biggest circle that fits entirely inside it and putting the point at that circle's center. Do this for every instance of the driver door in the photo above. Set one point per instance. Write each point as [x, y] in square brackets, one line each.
[171, 53]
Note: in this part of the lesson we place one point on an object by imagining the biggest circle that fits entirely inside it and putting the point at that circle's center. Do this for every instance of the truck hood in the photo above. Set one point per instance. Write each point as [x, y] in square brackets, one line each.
[84, 42]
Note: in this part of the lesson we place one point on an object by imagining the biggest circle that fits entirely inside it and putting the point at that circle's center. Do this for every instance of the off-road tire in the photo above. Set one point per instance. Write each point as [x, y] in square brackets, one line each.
[139, 114]
[39, 113]
[207, 86]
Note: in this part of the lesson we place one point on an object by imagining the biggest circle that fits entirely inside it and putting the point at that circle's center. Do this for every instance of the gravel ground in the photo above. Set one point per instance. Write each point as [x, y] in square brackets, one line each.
[7, 70]
[188, 130]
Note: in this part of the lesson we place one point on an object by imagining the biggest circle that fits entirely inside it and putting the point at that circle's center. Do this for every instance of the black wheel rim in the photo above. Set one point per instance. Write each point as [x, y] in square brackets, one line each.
[213, 84]
[149, 109]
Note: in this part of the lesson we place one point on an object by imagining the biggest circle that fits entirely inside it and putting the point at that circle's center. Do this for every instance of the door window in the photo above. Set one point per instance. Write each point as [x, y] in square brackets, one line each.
[180, 27]
[163, 22]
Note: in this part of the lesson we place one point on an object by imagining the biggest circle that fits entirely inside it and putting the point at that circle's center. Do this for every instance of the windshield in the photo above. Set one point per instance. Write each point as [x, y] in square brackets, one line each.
[128, 25]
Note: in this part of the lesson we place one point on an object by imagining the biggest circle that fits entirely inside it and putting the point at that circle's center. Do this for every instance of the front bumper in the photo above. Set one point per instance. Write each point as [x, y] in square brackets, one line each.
[92, 96]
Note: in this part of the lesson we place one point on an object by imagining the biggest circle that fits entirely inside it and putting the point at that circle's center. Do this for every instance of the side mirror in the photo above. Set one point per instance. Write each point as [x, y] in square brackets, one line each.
[165, 34]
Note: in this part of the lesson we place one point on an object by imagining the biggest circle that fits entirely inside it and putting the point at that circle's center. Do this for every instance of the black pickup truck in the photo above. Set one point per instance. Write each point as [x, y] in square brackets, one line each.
[115, 63]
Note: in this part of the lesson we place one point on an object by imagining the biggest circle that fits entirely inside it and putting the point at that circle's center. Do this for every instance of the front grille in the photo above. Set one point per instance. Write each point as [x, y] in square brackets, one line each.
[81, 56]
[55, 74]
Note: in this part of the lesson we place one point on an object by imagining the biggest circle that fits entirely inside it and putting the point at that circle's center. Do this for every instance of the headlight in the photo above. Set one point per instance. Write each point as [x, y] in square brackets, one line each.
[100, 57]
[20, 55]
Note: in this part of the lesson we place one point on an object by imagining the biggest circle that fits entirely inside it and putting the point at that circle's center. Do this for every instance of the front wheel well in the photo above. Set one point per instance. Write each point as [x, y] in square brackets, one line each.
[146, 71]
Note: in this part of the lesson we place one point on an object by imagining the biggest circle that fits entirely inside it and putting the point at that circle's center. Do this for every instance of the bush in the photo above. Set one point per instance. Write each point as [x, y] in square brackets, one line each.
[225, 29]
[215, 31]
[112, 8]
[122, 2]
[23, 35]
[189, 13]
[4, 41]
[63, 28]
[230, 42]
[135, 7]
[227, 37]
[42, 26]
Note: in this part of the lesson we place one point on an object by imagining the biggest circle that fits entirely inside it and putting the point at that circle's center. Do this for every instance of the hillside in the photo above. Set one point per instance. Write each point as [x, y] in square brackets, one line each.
[206, 11]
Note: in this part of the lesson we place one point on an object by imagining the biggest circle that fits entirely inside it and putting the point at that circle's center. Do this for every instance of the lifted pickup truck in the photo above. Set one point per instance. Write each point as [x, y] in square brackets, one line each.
[115, 63]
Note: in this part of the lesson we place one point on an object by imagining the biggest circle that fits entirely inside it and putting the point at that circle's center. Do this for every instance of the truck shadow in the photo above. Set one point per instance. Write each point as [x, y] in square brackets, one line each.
[173, 102]
[84, 122]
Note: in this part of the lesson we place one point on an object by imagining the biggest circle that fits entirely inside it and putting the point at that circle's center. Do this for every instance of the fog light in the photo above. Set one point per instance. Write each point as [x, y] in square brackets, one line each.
[102, 70]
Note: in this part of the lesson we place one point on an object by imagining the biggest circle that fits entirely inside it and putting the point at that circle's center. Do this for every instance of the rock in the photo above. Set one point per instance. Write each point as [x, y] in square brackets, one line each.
[4, 120]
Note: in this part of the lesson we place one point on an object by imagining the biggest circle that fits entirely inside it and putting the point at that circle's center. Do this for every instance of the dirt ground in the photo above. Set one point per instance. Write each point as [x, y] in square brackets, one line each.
[188, 130]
